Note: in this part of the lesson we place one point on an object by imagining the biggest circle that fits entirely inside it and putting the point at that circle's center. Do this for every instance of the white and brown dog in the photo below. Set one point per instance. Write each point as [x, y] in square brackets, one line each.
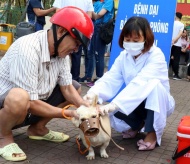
[101, 139]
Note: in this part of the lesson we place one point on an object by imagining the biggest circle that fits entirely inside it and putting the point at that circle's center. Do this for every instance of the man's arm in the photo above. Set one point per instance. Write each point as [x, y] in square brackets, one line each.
[177, 37]
[89, 13]
[40, 12]
[99, 15]
[43, 109]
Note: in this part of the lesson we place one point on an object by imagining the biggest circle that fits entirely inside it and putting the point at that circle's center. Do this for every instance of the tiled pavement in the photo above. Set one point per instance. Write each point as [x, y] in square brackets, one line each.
[43, 152]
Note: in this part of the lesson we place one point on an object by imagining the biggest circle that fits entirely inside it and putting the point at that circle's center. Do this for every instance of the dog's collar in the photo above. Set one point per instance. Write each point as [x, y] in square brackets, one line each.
[90, 127]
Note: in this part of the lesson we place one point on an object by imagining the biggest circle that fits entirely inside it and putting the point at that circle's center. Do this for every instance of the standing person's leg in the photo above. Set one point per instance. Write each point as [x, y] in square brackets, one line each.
[75, 64]
[91, 66]
[176, 60]
[186, 57]
[85, 61]
[89, 63]
[172, 57]
[188, 72]
[98, 52]
[99, 55]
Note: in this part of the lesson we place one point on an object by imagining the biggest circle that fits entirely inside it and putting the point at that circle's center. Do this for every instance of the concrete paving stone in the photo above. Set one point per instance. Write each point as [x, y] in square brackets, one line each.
[120, 161]
[152, 158]
[137, 160]
[125, 157]
[138, 155]
[170, 153]
[109, 160]
[155, 154]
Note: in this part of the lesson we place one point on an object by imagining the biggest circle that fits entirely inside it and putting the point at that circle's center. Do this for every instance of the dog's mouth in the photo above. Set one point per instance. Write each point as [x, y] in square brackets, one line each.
[90, 127]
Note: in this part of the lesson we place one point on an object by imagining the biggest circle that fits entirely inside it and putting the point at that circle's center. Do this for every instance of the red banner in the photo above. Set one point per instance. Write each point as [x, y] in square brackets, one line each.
[184, 8]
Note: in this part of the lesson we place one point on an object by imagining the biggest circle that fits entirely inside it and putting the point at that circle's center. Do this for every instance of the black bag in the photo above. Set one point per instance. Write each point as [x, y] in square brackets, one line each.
[107, 30]
[24, 28]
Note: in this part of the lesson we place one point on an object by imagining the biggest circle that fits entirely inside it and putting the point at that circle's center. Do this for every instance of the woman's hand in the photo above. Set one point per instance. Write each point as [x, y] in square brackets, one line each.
[183, 49]
[105, 109]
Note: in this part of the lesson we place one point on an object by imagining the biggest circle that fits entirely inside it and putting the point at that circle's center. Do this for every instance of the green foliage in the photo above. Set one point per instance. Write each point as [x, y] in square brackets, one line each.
[12, 12]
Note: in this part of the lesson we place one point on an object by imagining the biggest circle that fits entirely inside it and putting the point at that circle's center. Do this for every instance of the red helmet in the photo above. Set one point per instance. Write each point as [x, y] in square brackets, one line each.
[76, 21]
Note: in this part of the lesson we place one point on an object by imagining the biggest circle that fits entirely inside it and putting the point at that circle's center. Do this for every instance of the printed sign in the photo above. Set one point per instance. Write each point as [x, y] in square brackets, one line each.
[3, 40]
[160, 15]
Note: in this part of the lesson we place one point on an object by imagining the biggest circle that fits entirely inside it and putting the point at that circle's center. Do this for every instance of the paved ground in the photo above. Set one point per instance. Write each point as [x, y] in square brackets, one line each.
[42, 152]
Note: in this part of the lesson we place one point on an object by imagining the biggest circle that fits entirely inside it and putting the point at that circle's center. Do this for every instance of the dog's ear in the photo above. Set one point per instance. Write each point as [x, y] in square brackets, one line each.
[75, 122]
[95, 101]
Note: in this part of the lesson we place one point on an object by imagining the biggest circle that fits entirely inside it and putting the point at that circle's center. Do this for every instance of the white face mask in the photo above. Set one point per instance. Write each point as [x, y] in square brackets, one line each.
[133, 48]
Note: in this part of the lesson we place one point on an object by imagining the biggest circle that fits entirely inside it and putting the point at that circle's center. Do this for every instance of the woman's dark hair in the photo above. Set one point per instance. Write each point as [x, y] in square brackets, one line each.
[186, 37]
[138, 25]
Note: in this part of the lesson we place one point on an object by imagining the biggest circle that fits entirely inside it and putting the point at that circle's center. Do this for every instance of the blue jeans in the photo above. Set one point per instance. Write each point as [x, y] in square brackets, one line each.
[137, 117]
[76, 60]
[95, 55]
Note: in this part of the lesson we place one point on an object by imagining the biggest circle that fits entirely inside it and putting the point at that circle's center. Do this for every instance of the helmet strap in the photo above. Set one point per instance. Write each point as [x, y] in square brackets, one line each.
[57, 42]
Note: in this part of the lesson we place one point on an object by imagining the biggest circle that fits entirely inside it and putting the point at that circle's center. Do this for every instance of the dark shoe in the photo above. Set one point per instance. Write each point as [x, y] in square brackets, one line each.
[84, 80]
[176, 77]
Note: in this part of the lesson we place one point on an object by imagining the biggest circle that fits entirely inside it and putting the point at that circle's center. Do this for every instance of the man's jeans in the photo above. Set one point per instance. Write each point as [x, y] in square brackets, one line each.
[95, 54]
[38, 26]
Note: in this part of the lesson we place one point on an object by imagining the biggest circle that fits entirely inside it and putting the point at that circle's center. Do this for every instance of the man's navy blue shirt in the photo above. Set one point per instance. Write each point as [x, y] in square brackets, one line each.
[31, 14]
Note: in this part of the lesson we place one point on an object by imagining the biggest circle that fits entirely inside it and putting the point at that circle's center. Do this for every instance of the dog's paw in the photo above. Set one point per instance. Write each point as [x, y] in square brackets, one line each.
[103, 154]
[90, 155]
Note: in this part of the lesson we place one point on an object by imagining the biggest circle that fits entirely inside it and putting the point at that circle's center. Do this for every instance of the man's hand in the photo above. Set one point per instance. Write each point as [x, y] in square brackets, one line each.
[68, 114]
[105, 109]
[90, 96]
[74, 114]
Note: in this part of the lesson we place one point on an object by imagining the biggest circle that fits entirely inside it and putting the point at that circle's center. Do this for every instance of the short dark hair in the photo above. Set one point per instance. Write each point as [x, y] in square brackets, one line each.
[136, 25]
[179, 15]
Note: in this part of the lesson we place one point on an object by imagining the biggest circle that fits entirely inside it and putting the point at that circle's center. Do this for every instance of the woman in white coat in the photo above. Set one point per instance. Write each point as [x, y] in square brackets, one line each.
[145, 100]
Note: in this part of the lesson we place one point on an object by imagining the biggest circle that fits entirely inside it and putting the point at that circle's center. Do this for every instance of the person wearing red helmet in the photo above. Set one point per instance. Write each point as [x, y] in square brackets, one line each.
[80, 29]
[35, 80]
[86, 6]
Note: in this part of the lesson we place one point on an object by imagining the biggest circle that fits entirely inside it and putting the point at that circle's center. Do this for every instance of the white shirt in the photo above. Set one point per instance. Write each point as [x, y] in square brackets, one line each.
[27, 64]
[177, 27]
[85, 5]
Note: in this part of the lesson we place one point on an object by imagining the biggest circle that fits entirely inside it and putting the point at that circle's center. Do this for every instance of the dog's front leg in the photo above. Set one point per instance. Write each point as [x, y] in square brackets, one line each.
[103, 152]
[91, 154]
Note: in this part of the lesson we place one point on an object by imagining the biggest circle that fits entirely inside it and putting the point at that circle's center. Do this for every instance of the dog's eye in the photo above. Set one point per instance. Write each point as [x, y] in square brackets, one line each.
[94, 116]
[83, 119]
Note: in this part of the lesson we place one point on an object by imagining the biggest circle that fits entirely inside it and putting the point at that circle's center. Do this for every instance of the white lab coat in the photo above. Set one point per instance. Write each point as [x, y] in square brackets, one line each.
[143, 78]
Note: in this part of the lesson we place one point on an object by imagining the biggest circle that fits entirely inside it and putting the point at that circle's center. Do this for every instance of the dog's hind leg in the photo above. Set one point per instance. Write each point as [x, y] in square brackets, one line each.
[103, 152]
